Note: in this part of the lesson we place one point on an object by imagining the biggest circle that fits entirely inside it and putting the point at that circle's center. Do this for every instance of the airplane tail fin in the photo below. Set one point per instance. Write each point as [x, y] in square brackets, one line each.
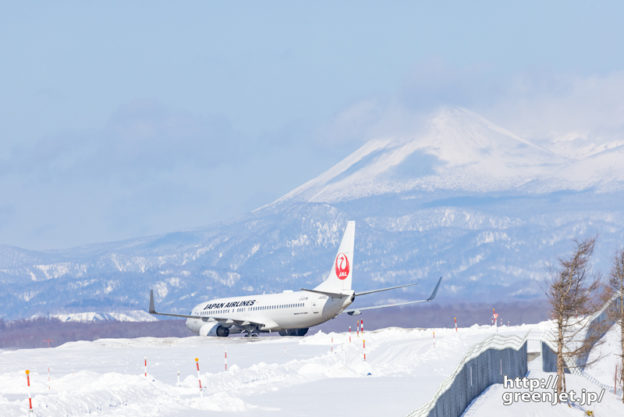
[339, 278]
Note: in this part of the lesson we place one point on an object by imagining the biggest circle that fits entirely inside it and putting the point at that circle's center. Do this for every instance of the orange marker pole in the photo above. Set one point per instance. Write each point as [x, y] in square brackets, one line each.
[145, 363]
[30, 409]
[349, 334]
[198, 377]
[226, 360]
[495, 318]
[364, 348]
[357, 328]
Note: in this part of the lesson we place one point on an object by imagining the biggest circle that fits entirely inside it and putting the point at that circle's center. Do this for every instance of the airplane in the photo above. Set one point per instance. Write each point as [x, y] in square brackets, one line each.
[290, 313]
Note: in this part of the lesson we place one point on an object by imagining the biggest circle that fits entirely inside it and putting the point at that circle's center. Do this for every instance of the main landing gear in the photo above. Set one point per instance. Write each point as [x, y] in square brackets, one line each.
[251, 332]
[293, 332]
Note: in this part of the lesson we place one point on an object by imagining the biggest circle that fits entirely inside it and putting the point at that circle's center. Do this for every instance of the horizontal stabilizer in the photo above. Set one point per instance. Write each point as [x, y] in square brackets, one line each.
[328, 293]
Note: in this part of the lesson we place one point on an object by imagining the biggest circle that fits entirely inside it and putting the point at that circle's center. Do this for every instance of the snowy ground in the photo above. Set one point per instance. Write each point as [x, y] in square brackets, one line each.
[606, 357]
[490, 403]
[267, 376]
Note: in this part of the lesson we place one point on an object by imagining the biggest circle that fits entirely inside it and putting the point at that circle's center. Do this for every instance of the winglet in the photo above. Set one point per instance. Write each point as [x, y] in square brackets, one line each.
[152, 310]
[435, 290]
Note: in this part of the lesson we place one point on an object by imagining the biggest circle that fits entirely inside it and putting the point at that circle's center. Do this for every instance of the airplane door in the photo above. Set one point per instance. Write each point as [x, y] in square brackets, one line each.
[315, 309]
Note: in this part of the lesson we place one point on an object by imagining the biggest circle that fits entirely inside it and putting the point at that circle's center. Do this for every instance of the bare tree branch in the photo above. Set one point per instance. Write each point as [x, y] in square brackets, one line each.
[616, 312]
[571, 295]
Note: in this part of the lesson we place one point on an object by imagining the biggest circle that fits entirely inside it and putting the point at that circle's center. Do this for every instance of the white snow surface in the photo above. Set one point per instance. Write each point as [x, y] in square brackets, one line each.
[267, 376]
[490, 402]
[606, 356]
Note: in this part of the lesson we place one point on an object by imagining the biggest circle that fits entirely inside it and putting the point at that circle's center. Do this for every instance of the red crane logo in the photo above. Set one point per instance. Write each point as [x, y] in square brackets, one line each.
[342, 266]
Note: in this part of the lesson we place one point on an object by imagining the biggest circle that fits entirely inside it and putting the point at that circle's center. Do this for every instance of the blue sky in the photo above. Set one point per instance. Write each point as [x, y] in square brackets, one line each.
[122, 119]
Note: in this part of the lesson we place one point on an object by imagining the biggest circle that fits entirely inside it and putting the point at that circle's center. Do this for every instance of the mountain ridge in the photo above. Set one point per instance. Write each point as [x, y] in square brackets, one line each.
[489, 211]
[491, 159]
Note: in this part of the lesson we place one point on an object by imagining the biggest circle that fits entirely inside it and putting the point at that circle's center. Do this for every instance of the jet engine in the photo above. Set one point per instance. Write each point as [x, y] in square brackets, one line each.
[214, 329]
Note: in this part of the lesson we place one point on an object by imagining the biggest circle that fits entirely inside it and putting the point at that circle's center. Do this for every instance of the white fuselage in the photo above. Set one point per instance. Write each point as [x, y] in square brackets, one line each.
[281, 311]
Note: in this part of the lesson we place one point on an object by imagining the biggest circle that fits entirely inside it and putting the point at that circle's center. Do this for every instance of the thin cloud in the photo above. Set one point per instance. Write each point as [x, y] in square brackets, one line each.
[141, 138]
[575, 112]
[559, 106]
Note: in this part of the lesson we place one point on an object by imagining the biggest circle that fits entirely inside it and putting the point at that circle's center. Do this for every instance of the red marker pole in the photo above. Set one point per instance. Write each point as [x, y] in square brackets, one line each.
[145, 363]
[455, 318]
[362, 327]
[349, 334]
[30, 409]
[495, 317]
[364, 348]
[198, 377]
[226, 360]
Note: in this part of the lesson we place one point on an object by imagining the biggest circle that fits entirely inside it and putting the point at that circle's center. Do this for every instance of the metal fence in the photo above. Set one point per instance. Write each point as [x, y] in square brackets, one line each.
[599, 323]
[486, 363]
[483, 365]
[549, 364]
[596, 323]
[549, 359]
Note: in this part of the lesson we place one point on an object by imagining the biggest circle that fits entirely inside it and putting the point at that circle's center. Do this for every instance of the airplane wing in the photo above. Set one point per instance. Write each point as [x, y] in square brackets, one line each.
[384, 289]
[152, 310]
[359, 310]
[228, 322]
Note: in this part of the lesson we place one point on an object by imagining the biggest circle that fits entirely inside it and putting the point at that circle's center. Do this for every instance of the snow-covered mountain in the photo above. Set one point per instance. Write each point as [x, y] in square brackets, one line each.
[462, 198]
[459, 150]
[90, 316]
